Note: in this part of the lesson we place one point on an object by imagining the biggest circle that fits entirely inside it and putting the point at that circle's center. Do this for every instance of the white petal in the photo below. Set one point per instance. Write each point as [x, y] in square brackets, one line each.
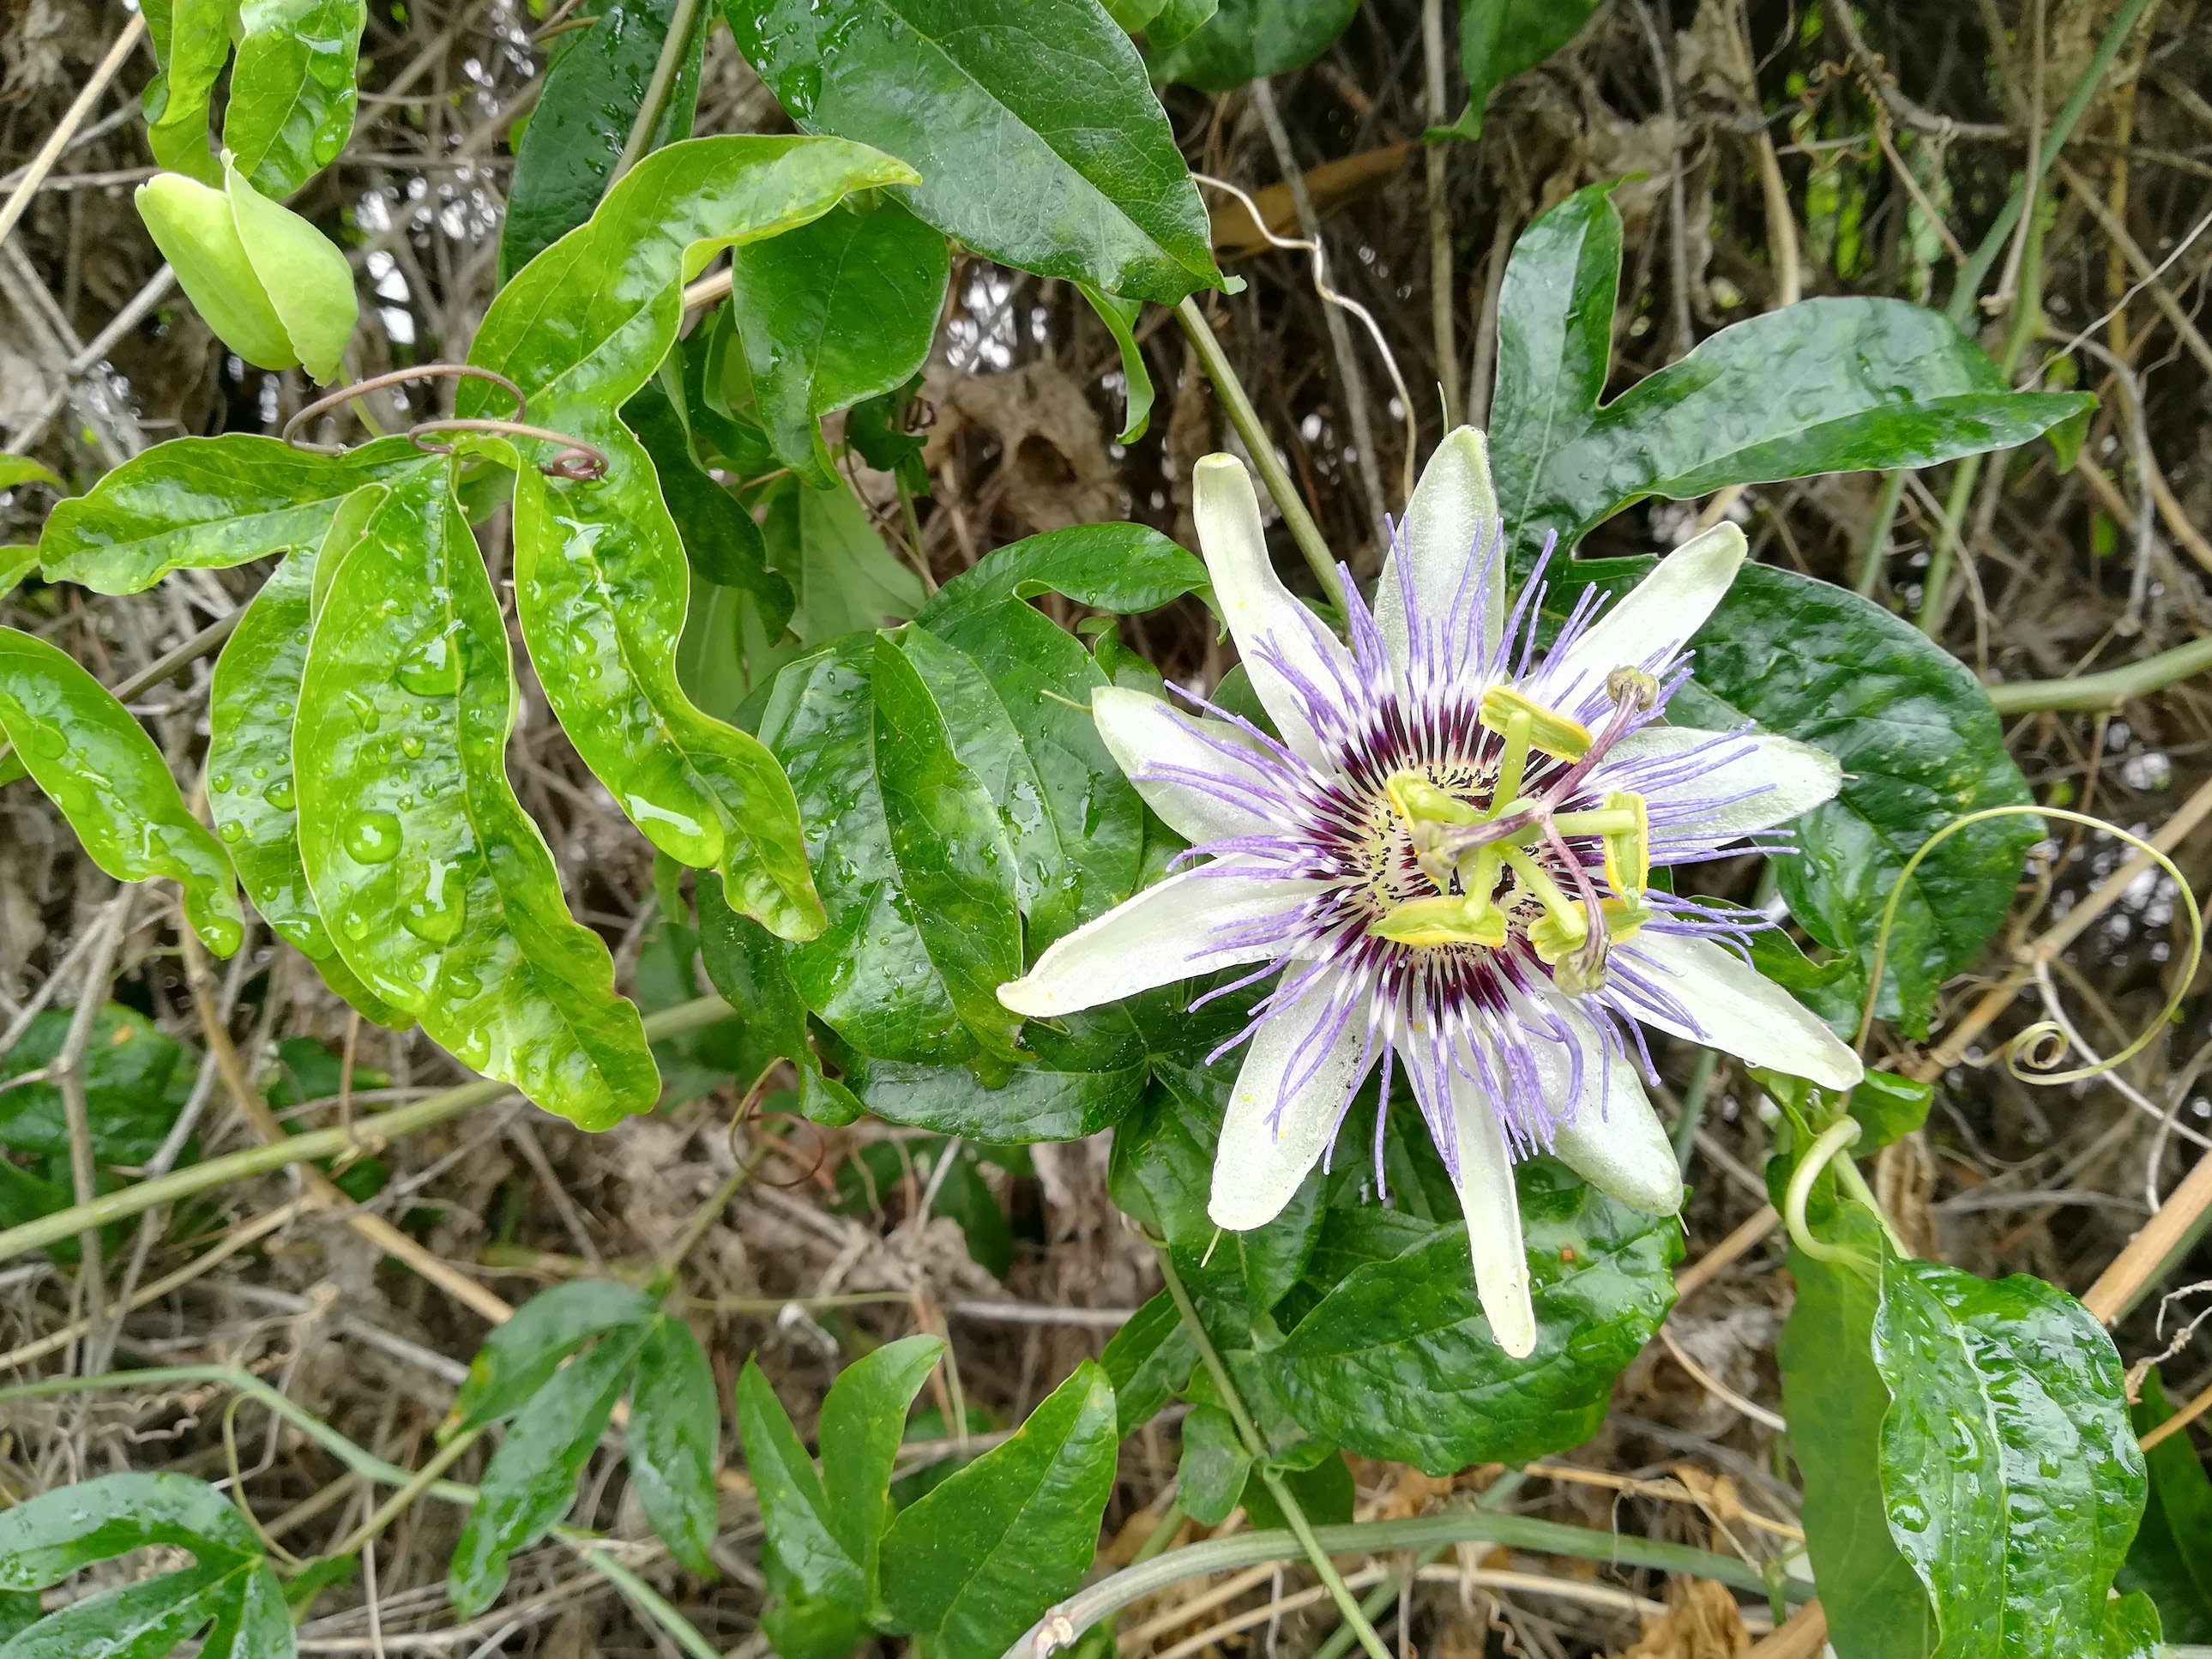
[1739, 1010]
[1656, 620]
[1790, 777]
[1143, 733]
[1167, 933]
[1452, 506]
[1264, 1154]
[1616, 1142]
[1492, 1205]
[1261, 613]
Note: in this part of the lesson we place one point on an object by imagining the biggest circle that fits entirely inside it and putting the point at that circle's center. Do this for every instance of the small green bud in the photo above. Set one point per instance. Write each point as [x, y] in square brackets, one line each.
[272, 287]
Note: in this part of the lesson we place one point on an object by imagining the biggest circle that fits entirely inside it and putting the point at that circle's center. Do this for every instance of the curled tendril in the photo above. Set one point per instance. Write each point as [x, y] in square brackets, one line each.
[2032, 1056]
[577, 460]
[344, 394]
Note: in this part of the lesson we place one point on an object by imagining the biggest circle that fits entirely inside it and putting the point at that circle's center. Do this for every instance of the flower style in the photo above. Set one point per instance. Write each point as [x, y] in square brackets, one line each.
[1447, 856]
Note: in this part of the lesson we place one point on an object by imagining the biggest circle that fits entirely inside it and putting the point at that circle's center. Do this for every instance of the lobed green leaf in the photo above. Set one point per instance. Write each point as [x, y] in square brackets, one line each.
[863, 1423]
[518, 1356]
[794, 1510]
[674, 1432]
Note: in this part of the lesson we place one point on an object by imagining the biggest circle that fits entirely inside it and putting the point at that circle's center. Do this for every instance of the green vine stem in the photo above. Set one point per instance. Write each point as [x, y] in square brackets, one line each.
[1836, 1139]
[1063, 1624]
[665, 69]
[2096, 693]
[1246, 419]
[1278, 1488]
[365, 1134]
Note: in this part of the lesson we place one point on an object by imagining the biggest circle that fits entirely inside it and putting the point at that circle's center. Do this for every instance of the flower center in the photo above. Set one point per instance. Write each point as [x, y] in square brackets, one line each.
[1480, 853]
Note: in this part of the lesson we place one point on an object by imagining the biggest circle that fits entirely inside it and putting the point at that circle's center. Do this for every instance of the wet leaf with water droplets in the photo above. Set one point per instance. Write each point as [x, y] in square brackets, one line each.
[97, 765]
[292, 98]
[487, 956]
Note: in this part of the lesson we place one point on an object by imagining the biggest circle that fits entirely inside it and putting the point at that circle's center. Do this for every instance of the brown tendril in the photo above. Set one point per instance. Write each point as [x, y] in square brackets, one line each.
[577, 460]
[344, 394]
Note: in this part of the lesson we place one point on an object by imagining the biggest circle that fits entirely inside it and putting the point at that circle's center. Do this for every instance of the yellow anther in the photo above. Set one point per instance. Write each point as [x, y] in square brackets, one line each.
[1555, 943]
[1419, 801]
[1548, 730]
[1628, 852]
[1458, 919]
[1632, 685]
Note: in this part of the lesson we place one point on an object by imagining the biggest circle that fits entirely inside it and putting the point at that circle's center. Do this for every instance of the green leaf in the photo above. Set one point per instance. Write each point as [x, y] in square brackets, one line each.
[747, 967]
[968, 1567]
[675, 1430]
[46, 1538]
[601, 580]
[863, 1422]
[15, 563]
[291, 104]
[594, 94]
[97, 765]
[2171, 1559]
[1872, 383]
[1499, 39]
[721, 538]
[1148, 1361]
[1247, 39]
[191, 43]
[795, 1512]
[2011, 1474]
[1211, 1473]
[1323, 1489]
[406, 813]
[1398, 1362]
[1035, 1103]
[136, 1082]
[1120, 317]
[208, 504]
[1037, 141]
[15, 471]
[1121, 568]
[531, 1479]
[893, 975]
[1920, 746]
[824, 544]
[519, 1357]
[251, 794]
[839, 310]
[1888, 1107]
[1835, 1401]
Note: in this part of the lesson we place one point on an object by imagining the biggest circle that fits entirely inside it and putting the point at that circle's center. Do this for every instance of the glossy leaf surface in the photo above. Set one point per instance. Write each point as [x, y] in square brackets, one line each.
[824, 544]
[794, 1510]
[1121, 568]
[2012, 1480]
[292, 99]
[1498, 39]
[519, 1355]
[833, 312]
[406, 813]
[2171, 1559]
[136, 1080]
[97, 765]
[721, 538]
[531, 1480]
[747, 967]
[601, 582]
[1038, 142]
[863, 1421]
[1211, 1473]
[1148, 1361]
[968, 1567]
[675, 1430]
[251, 794]
[1398, 1362]
[1245, 39]
[1120, 317]
[1872, 383]
[207, 503]
[192, 42]
[595, 89]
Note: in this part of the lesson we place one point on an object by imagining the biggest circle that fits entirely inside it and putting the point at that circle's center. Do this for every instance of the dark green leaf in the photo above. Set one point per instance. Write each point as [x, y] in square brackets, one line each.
[834, 311]
[1246, 39]
[795, 1512]
[531, 1479]
[1038, 142]
[2171, 1560]
[45, 1539]
[141, 1621]
[1887, 1106]
[1035, 1102]
[675, 1430]
[518, 1357]
[1499, 39]
[1121, 568]
[1323, 1489]
[747, 967]
[1835, 1400]
[594, 94]
[877, 427]
[1398, 1362]
[1148, 1360]
[97, 765]
[967, 1568]
[406, 812]
[208, 504]
[1210, 1477]
[863, 1422]
[251, 704]
[720, 539]
[1872, 383]
[291, 104]
[135, 1084]
[824, 544]
[2013, 1479]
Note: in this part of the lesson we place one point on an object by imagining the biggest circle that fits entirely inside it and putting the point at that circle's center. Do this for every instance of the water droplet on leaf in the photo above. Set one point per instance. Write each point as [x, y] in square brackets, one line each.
[373, 837]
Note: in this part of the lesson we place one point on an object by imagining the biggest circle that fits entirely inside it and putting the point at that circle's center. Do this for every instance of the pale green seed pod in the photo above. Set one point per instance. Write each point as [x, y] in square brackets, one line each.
[271, 286]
